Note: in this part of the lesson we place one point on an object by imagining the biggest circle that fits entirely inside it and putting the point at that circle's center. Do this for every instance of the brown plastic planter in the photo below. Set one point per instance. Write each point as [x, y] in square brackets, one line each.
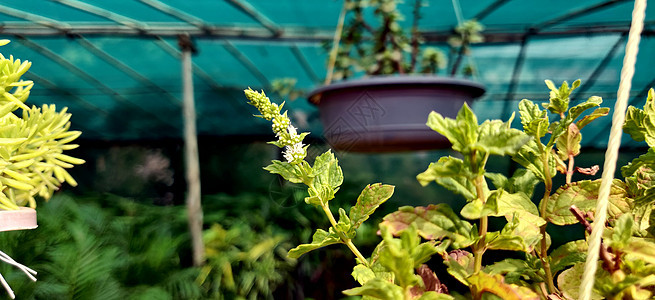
[383, 114]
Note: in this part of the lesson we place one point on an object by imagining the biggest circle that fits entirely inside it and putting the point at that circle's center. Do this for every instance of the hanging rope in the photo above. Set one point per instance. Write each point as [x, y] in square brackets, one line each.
[611, 154]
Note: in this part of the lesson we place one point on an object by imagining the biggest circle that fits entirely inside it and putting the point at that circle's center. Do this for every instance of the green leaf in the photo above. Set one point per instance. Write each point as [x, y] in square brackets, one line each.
[519, 210]
[634, 123]
[577, 110]
[641, 249]
[523, 181]
[514, 271]
[645, 162]
[570, 280]
[396, 256]
[286, 170]
[476, 209]
[451, 173]
[495, 284]
[559, 98]
[599, 112]
[344, 226]
[569, 142]
[320, 239]
[622, 231]
[534, 120]
[461, 264]
[326, 171]
[378, 288]
[461, 132]
[529, 156]
[362, 273]
[435, 296]
[568, 254]
[640, 124]
[584, 195]
[434, 222]
[496, 137]
[368, 201]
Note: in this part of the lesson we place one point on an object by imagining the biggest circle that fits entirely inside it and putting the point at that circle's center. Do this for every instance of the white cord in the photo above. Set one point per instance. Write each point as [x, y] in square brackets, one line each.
[29, 272]
[611, 154]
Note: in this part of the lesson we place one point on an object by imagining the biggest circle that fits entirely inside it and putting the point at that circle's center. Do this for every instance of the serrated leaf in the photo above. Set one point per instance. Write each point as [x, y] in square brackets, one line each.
[645, 162]
[495, 137]
[529, 157]
[326, 171]
[368, 201]
[599, 112]
[396, 256]
[640, 124]
[568, 144]
[286, 170]
[577, 110]
[378, 288]
[570, 280]
[495, 284]
[321, 238]
[514, 271]
[461, 264]
[642, 249]
[523, 181]
[476, 209]
[461, 131]
[634, 120]
[534, 120]
[451, 173]
[434, 222]
[362, 273]
[584, 195]
[568, 254]
[344, 226]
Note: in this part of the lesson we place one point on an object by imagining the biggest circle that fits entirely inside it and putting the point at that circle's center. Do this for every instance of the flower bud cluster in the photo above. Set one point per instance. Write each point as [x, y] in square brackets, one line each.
[288, 138]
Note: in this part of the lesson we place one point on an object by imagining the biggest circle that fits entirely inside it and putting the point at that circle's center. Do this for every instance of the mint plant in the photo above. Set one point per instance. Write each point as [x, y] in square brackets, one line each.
[32, 162]
[547, 145]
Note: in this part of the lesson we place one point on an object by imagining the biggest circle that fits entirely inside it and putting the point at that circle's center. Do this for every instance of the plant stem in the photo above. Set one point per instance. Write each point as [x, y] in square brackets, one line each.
[569, 171]
[346, 241]
[479, 183]
[543, 254]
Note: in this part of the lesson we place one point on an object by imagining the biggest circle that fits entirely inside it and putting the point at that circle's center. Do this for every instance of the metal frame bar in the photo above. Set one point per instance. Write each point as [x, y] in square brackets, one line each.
[200, 72]
[101, 12]
[87, 77]
[246, 62]
[290, 34]
[262, 19]
[126, 69]
[490, 9]
[304, 64]
[577, 13]
[38, 19]
[518, 66]
[176, 13]
[599, 68]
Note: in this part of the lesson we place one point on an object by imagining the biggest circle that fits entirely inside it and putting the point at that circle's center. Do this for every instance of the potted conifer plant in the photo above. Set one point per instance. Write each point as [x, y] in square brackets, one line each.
[386, 110]
[32, 163]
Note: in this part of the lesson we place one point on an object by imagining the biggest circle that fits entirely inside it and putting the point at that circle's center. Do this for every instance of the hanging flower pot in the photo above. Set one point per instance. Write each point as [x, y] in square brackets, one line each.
[388, 113]
[20, 219]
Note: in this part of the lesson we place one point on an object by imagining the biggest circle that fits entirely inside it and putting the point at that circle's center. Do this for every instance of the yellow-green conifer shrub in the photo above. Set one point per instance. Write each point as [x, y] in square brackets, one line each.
[32, 162]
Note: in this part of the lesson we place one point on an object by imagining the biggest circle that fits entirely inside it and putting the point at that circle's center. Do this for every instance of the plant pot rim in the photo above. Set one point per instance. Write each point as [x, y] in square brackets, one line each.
[476, 89]
[19, 219]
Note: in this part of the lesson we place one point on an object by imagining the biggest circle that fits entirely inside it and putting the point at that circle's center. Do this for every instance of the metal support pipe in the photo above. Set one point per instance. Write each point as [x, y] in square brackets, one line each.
[194, 209]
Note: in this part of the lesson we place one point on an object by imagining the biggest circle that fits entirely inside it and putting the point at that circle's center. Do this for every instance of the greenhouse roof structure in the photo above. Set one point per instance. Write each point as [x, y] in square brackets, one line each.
[116, 64]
